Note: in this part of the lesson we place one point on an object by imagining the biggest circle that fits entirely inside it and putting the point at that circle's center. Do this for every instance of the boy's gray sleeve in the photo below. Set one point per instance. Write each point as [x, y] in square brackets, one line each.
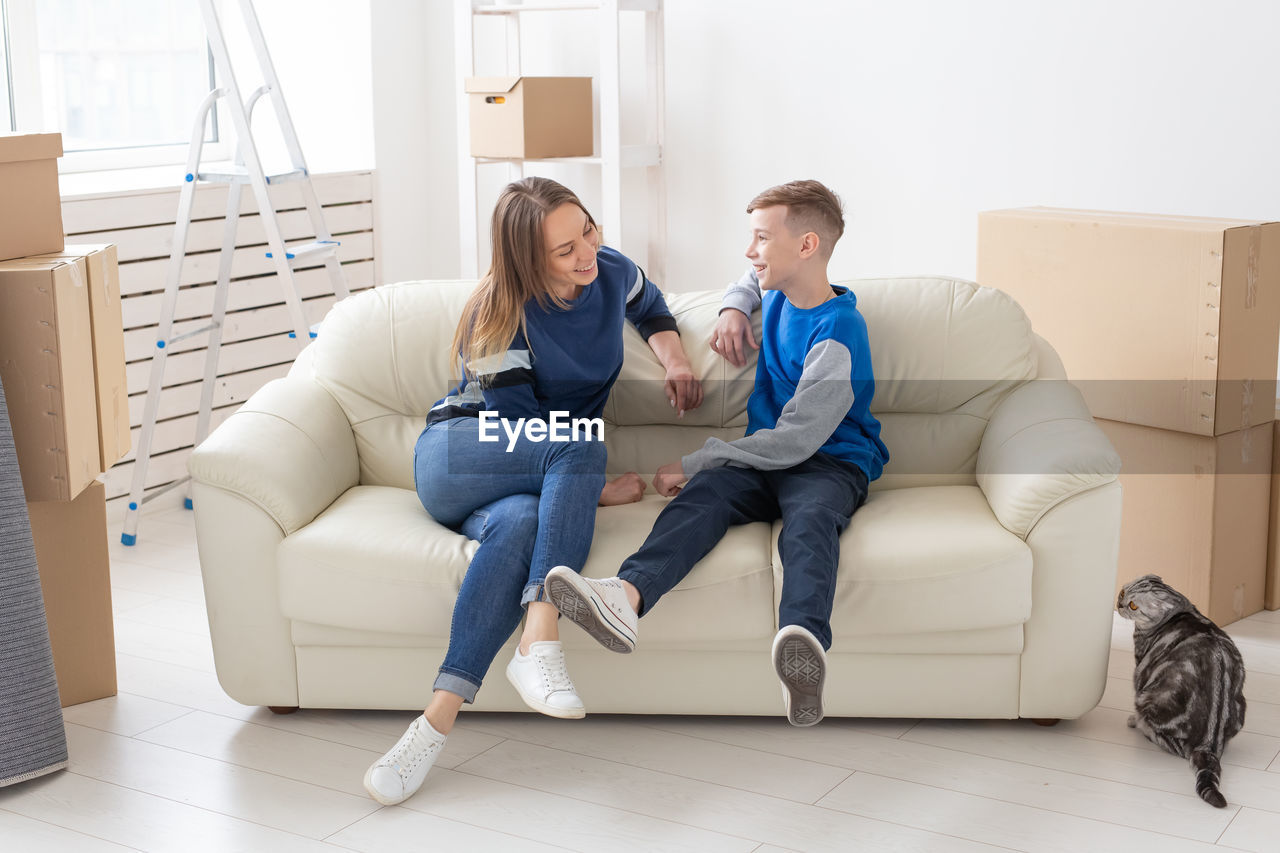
[743, 294]
[822, 399]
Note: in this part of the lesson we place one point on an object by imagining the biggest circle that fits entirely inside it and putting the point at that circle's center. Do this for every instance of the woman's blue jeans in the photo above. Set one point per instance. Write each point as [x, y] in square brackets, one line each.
[531, 509]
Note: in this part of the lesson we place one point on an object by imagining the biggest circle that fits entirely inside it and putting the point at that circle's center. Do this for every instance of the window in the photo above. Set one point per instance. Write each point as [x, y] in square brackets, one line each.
[120, 79]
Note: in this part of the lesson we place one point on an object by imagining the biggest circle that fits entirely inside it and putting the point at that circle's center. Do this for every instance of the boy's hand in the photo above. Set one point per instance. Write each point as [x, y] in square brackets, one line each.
[626, 489]
[732, 334]
[683, 389]
[669, 479]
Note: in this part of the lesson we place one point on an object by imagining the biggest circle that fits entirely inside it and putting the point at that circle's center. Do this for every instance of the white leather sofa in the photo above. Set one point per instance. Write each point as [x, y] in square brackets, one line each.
[977, 580]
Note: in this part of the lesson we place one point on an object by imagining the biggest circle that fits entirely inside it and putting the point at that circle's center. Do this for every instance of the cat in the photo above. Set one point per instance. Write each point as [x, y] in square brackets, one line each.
[1188, 680]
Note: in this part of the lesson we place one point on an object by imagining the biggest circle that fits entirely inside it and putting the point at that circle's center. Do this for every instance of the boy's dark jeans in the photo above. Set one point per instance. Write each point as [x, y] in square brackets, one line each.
[815, 501]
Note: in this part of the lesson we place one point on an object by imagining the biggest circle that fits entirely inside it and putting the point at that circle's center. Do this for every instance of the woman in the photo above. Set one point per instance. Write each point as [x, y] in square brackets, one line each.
[542, 333]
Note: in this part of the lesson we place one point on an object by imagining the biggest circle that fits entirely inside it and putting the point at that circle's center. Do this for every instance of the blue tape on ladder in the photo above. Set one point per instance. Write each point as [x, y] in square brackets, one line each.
[313, 334]
[190, 177]
[127, 539]
[293, 335]
[160, 344]
[133, 505]
[186, 503]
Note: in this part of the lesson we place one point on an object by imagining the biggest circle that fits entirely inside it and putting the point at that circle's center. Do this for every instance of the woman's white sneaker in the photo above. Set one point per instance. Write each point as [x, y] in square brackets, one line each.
[542, 680]
[599, 607]
[396, 776]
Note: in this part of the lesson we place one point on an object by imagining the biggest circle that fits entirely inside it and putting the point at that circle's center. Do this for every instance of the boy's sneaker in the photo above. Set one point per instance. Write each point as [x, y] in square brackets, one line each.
[599, 607]
[801, 665]
[542, 680]
[396, 776]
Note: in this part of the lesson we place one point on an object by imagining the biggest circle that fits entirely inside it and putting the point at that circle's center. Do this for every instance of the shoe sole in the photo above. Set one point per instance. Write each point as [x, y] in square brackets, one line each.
[802, 671]
[542, 707]
[581, 608]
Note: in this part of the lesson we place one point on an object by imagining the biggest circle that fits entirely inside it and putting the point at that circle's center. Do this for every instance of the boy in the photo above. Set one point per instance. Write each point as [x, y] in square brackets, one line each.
[810, 450]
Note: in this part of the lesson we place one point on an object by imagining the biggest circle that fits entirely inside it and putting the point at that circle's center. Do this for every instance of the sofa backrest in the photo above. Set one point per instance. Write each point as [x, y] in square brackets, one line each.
[944, 352]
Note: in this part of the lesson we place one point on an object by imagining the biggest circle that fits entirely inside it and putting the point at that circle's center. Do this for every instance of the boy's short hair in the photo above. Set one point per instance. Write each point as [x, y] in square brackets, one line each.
[810, 207]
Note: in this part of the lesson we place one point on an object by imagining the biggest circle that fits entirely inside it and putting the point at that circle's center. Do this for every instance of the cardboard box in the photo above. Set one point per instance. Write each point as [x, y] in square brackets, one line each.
[1196, 513]
[105, 316]
[46, 364]
[1272, 598]
[71, 552]
[30, 206]
[530, 117]
[1163, 321]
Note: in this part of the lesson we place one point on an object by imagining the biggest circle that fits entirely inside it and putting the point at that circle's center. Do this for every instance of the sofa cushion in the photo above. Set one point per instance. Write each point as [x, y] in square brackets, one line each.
[927, 559]
[384, 356]
[376, 561]
[945, 353]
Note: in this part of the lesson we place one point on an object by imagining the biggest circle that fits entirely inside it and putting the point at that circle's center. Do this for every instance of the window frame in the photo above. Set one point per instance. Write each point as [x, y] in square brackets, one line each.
[27, 106]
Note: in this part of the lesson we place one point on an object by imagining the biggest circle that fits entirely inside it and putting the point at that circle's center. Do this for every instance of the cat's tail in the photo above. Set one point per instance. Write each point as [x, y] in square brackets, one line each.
[1208, 769]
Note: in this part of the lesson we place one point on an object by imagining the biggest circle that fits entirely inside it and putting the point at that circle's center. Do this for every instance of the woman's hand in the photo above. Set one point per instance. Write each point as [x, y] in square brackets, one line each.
[669, 479]
[626, 489]
[683, 389]
[732, 336]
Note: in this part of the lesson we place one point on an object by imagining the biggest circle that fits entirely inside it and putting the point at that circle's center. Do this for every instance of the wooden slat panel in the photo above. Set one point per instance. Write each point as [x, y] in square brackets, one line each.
[156, 241]
[176, 433]
[240, 326]
[180, 400]
[81, 216]
[189, 366]
[162, 469]
[202, 267]
[144, 311]
[256, 348]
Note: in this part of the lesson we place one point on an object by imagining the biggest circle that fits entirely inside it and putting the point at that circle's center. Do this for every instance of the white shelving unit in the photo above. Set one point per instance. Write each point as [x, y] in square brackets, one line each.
[613, 157]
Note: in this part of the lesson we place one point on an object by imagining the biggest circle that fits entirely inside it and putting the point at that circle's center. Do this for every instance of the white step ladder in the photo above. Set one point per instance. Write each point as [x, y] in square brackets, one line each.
[246, 169]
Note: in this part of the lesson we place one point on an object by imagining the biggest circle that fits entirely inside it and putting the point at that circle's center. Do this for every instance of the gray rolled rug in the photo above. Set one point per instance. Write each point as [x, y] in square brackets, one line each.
[32, 740]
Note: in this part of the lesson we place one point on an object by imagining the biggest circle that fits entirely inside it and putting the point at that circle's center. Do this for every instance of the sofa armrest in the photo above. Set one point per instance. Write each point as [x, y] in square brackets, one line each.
[288, 450]
[1040, 448]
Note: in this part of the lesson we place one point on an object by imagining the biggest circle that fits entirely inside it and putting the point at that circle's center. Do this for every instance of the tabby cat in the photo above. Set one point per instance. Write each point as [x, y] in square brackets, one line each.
[1188, 681]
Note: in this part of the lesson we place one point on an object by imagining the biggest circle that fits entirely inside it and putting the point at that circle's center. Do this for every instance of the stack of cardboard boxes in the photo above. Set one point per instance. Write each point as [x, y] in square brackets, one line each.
[1170, 328]
[62, 365]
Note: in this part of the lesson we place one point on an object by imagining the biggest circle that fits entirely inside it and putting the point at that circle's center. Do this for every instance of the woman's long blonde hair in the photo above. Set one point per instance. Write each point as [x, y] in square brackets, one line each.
[517, 273]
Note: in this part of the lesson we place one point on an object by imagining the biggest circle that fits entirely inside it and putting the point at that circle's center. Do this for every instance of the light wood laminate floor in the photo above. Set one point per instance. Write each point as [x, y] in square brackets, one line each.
[172, 763]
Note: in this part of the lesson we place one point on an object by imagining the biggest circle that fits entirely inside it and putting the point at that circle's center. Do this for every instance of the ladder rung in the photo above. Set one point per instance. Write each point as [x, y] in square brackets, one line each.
[191, 334]
[148, 498]
[240, 175]
[307, 251]
[315, 330]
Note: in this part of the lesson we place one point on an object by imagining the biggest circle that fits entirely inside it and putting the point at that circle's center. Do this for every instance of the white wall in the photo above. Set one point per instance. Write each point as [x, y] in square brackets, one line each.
[321, 53]
[920, 113]
[415, 185]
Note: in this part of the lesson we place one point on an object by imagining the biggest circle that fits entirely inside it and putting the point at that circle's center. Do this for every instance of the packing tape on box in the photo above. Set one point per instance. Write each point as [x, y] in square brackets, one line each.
[1251, 272]
[102, 277]
[1246, 403]
[77, 278]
